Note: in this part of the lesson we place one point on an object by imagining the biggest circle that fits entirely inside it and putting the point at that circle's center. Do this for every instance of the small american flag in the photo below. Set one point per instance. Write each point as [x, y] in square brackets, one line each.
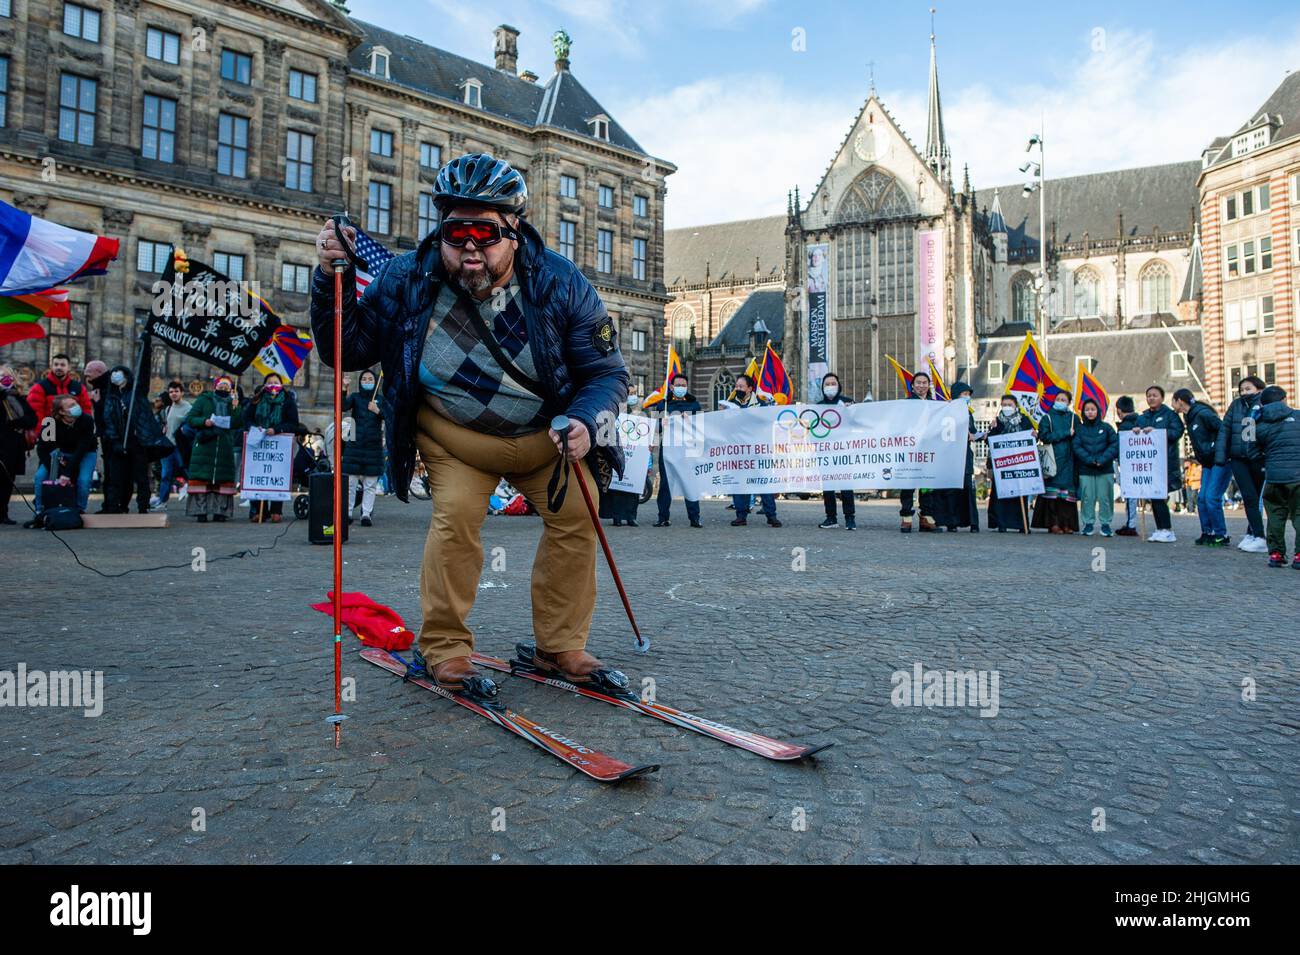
[375, 256]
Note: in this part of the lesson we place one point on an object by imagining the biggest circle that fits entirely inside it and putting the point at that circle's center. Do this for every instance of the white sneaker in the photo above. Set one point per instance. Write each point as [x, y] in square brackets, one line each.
[1163, 537]
[1254, 545]
[153, 502]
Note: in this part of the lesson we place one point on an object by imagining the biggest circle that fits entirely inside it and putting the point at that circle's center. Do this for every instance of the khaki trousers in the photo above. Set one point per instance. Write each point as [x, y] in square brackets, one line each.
[464, 467]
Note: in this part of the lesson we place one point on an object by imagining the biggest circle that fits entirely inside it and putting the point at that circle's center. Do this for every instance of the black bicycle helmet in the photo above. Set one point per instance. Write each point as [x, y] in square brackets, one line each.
[481, 180]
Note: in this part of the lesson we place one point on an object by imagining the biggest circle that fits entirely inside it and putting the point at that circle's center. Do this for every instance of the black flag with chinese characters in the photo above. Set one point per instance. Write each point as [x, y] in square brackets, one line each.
[206, 315]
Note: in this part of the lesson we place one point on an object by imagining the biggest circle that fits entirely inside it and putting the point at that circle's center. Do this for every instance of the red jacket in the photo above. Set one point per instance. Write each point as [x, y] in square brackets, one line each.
[41, 395]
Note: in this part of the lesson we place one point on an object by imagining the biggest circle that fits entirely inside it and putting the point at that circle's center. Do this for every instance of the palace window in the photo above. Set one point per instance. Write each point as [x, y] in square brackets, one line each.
[158, 129]
[430, 155]
[568, 187]
[379, 62]
[604, 250]
[638, 339]
[379, 206]
[428, 214]
[299, 159]
[568, 239]
[229, 264]
[295, 278]
[1266, 314]
[4, 91]
[152, 257]
[638, 259]
[162, 45]
[82, 22]
[474, 93]
[1154, 291]
[232, 146]
[1265, 253]
[302, 86]
[605, 197]
[599, 126]
[640, 206]
[236, 67]
[77, 109]
[381, 142]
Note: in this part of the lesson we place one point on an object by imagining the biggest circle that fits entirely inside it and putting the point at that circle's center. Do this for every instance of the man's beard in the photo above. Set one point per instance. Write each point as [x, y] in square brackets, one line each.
[481, 279]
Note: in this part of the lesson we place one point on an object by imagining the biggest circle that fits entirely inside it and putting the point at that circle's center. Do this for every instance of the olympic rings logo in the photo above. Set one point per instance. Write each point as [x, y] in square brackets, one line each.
[808, 422]
[635, 429]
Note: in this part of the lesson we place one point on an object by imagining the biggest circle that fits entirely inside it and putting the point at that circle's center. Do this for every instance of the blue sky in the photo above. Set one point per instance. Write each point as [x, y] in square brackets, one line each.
[715, 86]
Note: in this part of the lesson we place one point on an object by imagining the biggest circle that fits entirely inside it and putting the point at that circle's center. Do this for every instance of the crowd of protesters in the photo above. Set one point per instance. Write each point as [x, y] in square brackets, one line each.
[99, 425]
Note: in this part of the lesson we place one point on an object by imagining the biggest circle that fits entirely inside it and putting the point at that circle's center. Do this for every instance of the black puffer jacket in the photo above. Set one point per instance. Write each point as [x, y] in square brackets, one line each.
[1230, 444]
[1278, 434]
[1166, 419]
[145, 431]
[364, 453]
[1096, 447]
[1203, 427]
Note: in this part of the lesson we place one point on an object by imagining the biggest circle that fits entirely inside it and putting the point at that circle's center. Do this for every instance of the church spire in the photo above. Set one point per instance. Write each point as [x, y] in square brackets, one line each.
[936, 146]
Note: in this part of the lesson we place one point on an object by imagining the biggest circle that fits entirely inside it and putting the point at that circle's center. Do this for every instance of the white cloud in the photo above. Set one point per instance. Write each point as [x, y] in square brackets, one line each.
[740, 141]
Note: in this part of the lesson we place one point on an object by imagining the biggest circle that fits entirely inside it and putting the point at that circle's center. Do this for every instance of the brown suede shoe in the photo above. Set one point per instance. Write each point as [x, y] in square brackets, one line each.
[576, 666]
[451, 674]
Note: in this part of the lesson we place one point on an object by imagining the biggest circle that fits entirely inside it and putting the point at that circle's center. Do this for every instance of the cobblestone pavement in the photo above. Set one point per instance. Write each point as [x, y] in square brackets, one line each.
[1120, 691]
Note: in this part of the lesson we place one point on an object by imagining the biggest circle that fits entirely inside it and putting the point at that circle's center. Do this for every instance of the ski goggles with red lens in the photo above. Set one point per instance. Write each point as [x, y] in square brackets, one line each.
[483, 232]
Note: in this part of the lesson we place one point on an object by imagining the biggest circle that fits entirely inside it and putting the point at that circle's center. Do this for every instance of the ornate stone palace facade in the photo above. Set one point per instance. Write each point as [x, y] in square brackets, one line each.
[232, 129]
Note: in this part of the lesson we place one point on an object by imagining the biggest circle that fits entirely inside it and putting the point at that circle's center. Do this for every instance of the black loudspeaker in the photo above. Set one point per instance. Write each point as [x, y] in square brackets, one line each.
[320, 513]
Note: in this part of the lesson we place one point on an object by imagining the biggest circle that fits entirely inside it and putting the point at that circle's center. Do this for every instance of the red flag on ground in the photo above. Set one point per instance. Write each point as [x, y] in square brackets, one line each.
[373, 623]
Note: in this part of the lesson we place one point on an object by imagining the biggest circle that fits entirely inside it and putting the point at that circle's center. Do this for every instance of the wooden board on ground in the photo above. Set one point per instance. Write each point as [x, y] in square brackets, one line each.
[124, 520]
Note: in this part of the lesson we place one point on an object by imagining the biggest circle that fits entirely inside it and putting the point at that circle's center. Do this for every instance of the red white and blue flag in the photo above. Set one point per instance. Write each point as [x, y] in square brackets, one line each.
[37, 255]
[374, 255]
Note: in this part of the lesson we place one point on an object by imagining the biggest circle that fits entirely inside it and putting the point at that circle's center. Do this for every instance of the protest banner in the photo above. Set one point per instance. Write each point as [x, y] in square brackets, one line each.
[1017, 468]
[635, 434]
[812, 448]
[1143, 465]
[268, 467]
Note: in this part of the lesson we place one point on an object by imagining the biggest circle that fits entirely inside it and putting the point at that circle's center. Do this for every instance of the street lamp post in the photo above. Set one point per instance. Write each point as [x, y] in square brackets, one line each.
[1035, 167]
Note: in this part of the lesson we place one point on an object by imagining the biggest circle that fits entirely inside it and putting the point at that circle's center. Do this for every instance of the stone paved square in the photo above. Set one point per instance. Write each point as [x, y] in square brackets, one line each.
[1120, 691]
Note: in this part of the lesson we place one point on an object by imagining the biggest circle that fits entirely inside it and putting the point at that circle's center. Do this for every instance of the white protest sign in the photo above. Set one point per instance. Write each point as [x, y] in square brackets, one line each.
[635, 434]
[1017, 469]
[268, 468]
[1143, 464]
[793, 448]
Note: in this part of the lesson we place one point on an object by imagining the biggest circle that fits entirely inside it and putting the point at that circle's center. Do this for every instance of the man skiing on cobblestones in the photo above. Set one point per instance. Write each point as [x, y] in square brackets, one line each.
[484, 335]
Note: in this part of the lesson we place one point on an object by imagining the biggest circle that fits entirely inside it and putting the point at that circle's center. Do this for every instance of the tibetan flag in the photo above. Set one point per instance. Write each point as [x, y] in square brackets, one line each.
[375, 257]
[52, 303]
[36, 255]
[772, 379]
[672, 371]
[284, 354]
[1086, 386]
[940, 391]
[904, 375]
[1033, 377]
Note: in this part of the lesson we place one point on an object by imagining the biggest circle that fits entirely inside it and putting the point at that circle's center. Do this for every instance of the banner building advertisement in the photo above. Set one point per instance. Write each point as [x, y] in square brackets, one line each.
[931, 307]
[818, 282]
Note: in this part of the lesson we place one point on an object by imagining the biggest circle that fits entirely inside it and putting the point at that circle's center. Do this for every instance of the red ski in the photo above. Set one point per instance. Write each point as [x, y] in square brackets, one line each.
[595, 764]
[612, 691]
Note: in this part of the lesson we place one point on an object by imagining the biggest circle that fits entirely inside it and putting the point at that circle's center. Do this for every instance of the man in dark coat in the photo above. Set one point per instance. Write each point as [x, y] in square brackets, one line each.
[1278, 434]
[16, 418]
[1203, 427]
[484, 336]
[955, 507]
[679, 401]
[1243, 459]
[132, 440]
[1160, 417]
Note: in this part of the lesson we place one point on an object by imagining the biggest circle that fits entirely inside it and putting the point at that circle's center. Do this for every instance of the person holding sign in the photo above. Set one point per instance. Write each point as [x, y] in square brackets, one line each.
[216, 415]
[1096, 448]
[1057, 509]
[1160, 417]
[275, 410]
[747, 397]
[1007, 512]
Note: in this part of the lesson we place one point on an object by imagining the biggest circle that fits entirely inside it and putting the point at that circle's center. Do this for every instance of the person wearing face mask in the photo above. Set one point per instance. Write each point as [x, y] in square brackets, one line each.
[363, 449]
[1008, 513]
[274, 409]
[680, 402]
[1096, 449]
[1160, 416]
[1056, 509]
[217, 417]
[1243, 459]
[16, 417]
[833, 394]
[920, 390]
[1127, 422]
[69, 453]
[132, 439]
[747, 397]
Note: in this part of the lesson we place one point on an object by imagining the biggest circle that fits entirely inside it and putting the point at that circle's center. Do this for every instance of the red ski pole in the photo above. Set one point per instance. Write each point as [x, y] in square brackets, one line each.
[642, 645]
[337, 463]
